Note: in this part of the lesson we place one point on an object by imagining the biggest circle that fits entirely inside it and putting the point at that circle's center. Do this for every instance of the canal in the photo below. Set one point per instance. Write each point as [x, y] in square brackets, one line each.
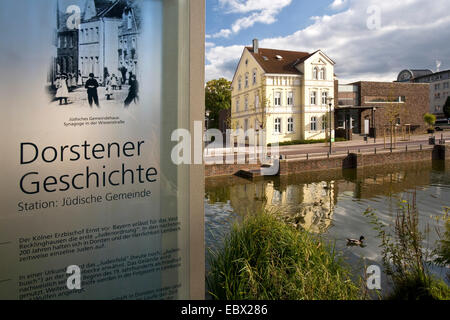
[332, 203]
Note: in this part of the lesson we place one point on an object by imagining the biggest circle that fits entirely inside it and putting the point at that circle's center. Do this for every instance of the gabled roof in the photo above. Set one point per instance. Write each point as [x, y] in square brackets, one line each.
[267, 59]
[105, 8]
[102, 5]
[115, 10]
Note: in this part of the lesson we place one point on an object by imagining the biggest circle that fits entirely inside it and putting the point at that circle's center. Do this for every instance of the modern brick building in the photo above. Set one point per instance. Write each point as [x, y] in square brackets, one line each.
[367, 107]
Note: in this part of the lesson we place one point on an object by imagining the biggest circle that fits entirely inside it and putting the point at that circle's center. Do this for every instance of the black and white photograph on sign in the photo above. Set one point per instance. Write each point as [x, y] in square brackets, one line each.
[96, 60]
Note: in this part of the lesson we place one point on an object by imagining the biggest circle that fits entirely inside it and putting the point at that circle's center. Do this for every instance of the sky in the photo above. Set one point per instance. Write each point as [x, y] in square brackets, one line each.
[368, 39]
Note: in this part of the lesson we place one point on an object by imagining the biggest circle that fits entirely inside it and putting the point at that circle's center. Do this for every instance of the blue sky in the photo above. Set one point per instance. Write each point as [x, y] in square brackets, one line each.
[291, 18]
[368, 39]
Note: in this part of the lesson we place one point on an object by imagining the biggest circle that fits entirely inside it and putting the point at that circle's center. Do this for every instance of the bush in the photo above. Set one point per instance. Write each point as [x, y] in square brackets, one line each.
[430, 119]
[266, 259]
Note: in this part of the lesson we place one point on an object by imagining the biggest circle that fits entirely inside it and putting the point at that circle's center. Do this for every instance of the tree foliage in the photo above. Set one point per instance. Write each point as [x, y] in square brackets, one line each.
[430, 119]
[217, 98]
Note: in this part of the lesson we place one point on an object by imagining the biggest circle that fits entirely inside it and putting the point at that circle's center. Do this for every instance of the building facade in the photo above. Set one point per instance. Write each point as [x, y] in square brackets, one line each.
[369, 107]
[286, 93]
[128, 40]
[98, 38]
[67, 46]
[439, 83]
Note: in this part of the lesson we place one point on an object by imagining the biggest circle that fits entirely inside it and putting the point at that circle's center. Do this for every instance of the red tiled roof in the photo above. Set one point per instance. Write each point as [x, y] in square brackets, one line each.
[267, 58]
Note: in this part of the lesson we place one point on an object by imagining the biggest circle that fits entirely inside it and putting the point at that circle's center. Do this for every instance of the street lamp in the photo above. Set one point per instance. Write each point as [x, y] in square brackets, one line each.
[374, 126]
[207, 119]
[330, 105]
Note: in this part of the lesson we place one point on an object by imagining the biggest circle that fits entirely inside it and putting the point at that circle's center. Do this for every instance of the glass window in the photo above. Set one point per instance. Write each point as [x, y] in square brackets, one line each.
[277, 99]
[313, 98]
[246, 103]
[315, 71]
[290, 124]
[237, 105]
[254, 77]
[324, 97]
[278, 125]
[290, 99]
[246, 80]
[313, 123]
[322, 74]
[240, 84]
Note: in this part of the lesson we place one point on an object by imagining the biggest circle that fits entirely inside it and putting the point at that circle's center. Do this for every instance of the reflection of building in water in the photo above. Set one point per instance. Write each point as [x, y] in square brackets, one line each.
[248, 198]
[309, 206]
[387, 184]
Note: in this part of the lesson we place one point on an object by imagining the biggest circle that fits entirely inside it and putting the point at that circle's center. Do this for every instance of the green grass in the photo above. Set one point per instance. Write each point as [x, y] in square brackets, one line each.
[266, 259]
[296, 142]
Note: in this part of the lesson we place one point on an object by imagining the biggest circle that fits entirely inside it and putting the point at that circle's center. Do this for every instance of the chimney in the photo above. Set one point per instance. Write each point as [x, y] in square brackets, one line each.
[256, 46]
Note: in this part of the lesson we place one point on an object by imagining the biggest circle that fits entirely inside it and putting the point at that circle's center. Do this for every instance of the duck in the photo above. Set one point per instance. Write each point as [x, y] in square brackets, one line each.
[355, 242]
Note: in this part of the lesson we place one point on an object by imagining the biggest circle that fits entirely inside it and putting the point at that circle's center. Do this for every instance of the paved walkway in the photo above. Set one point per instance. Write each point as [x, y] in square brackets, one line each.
[356, 145]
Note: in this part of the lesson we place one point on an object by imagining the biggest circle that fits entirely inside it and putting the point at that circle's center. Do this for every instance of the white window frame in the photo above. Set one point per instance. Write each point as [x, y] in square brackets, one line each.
[277, 126]
[277, 99]
[290, 125]
[313, 124]
[290, 98]
[322, 74]
[239, 83]
[315, 73]
[324, 97]
[254, 77]
[246, 80]
[246, 104]
[313, 98]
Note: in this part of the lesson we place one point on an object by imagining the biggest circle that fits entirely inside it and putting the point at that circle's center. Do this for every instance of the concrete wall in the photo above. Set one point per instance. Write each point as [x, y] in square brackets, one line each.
[340, 161]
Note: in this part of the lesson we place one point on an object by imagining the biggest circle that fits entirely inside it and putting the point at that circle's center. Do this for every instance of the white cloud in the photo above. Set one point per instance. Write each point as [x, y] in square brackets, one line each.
[256, 11]
[338, 4]
[413, 34]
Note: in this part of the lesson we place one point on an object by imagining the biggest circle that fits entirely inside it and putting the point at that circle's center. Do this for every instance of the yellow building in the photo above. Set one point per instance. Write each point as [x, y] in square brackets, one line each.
[285, 93]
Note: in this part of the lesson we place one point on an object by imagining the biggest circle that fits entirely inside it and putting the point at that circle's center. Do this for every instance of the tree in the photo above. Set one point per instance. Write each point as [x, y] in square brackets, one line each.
[217, 98]
[447, 108]
[392, 113]
[430, 120]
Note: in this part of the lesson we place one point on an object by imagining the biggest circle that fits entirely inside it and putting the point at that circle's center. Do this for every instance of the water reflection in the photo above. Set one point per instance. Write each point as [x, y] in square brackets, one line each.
[333, 202]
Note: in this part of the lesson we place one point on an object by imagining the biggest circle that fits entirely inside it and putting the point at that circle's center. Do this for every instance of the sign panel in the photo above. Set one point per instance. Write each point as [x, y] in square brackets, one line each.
[82, 180]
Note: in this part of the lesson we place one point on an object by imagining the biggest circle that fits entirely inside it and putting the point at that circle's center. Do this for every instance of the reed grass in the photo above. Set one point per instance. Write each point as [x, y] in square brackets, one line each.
[264, 258]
